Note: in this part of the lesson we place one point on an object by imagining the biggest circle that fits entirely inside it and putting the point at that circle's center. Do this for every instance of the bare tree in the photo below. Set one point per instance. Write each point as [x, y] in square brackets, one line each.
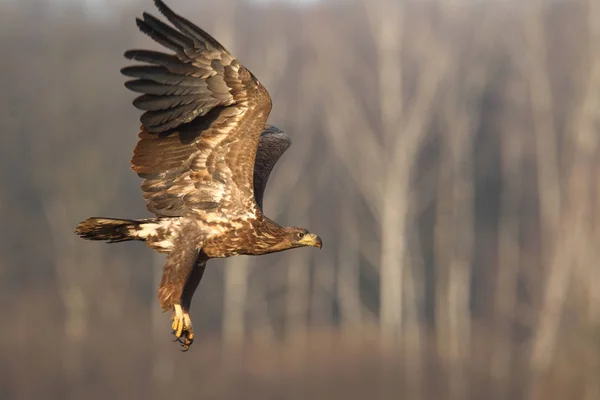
[348, 285]
[549, 188]
[509, 254]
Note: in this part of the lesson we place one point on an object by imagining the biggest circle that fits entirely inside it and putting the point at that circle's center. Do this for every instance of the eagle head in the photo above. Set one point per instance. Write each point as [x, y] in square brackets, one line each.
[299, 237]
[271, 238]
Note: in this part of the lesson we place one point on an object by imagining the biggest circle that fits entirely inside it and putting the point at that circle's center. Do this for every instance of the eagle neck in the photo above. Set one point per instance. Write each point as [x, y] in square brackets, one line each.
[268, 227]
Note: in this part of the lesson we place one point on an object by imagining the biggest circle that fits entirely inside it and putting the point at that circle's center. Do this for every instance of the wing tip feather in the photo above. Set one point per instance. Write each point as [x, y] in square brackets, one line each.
[162, 7]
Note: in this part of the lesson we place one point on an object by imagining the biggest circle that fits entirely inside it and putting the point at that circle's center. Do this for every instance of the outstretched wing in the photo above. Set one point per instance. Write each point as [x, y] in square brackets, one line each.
[204, 113]
[273, 143]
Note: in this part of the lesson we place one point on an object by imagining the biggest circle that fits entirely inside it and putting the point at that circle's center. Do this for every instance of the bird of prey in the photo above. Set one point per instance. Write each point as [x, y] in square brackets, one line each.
[205, 154]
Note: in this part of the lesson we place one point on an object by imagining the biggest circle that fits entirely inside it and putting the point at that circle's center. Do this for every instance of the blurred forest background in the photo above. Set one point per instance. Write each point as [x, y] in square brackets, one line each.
[446, 151]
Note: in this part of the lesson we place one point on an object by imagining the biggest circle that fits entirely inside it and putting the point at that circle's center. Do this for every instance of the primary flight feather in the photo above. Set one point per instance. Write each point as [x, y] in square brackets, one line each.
[205, 154]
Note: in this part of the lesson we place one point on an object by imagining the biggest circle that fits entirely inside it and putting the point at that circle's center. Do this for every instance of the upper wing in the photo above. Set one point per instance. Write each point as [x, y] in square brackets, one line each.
[273, 143]
[204, 113]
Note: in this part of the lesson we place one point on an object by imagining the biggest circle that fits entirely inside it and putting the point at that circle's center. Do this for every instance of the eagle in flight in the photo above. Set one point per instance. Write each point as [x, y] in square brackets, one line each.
[205, 154]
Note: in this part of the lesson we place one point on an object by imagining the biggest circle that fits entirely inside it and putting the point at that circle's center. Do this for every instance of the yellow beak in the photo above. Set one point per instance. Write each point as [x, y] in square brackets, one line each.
[310, 239]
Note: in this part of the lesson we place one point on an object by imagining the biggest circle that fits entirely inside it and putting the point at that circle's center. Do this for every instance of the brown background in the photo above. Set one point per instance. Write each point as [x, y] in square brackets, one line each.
[446, 152]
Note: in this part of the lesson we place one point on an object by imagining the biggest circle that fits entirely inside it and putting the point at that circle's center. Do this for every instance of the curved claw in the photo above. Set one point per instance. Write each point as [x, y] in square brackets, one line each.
[177, 339]
[182, 328]
[185, 345]
[187, 341]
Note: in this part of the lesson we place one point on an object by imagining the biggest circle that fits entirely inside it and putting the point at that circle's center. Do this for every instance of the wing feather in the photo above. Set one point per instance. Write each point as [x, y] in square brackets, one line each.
[189, 28]
[273, 143]
[162, 75]
[204, 113]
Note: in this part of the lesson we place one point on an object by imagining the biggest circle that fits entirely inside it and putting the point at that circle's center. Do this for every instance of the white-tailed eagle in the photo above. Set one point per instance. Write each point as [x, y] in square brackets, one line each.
[205, 154]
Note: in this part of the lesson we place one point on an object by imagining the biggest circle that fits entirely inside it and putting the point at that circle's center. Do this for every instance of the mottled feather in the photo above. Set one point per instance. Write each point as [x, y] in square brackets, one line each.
[204, 116]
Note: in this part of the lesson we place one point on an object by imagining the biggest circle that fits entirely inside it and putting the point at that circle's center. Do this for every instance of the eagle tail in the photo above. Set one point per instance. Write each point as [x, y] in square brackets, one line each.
[109, 229]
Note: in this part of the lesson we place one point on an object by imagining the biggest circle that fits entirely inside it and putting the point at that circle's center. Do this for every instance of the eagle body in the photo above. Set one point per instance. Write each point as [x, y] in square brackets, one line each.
[205, 154]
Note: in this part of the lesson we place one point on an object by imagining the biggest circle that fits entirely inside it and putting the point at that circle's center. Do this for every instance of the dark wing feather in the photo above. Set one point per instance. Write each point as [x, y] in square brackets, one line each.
[204, 113]
[273, 143]
[212, 74]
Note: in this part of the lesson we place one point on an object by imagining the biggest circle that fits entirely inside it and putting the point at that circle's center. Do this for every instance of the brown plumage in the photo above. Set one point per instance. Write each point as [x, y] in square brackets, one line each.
[205, 155]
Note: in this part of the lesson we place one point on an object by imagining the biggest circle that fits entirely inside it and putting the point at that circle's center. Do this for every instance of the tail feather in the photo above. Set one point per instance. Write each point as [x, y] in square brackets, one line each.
[109, 229]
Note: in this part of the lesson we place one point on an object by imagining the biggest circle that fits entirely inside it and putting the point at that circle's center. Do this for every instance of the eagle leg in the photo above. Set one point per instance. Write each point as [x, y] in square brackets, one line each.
[190, 286]
[182, 327]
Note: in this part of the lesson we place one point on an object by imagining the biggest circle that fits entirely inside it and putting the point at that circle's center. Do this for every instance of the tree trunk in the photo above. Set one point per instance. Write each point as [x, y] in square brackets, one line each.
[234, 308]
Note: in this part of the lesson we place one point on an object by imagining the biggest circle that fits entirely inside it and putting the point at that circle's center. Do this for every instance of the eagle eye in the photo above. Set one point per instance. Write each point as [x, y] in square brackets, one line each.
[300, 235]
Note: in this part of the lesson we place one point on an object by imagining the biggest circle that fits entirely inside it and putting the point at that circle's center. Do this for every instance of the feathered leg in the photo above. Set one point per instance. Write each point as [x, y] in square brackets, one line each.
[179, 269]
[186, 300]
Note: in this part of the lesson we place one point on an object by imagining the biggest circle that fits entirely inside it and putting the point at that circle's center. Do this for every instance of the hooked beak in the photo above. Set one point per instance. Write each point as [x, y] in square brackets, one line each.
[310, 239]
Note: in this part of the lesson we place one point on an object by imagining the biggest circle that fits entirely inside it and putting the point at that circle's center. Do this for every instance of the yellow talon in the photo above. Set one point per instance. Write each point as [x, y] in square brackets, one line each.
[178, 321]
[188, 328]
[182, 327]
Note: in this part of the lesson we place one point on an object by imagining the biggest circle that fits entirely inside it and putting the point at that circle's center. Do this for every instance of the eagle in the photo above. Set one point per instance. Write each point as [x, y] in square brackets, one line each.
[205, 153]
